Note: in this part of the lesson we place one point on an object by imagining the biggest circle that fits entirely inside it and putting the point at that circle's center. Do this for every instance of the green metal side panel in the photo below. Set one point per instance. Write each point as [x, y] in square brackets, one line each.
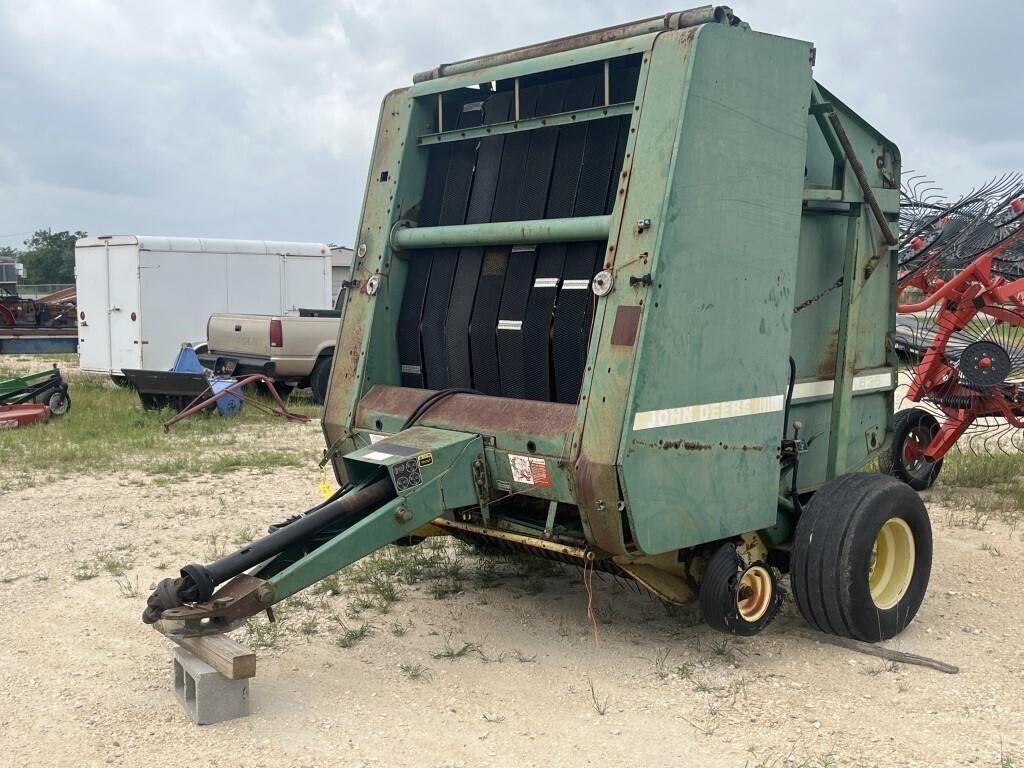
[704, 417]
[818, 299]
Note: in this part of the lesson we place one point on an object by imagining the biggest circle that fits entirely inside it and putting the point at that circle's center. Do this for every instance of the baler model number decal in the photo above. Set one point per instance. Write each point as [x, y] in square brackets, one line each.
[529, 470]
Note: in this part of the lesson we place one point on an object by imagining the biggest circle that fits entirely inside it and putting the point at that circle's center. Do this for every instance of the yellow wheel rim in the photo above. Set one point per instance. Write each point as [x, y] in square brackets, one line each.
[754, 593]
[892, 563]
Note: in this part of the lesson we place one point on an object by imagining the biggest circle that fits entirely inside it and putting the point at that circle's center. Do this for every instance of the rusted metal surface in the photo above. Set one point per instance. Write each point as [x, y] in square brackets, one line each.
[229, 607]
[237, 390]
[676, 20]
[627, 323]
[474, 412]
[694, 445]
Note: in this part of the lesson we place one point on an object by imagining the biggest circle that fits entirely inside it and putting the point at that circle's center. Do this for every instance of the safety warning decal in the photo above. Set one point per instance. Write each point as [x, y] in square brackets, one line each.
[529, 470]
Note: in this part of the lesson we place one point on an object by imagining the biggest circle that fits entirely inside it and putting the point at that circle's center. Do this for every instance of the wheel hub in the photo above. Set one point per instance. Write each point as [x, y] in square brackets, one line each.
[754, 593]
[985, 364]
[892, 563]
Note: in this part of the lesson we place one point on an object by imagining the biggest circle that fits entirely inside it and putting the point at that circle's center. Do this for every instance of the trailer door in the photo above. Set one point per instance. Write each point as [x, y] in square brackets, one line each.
[122, 309]
[94, 323]
[306, 281]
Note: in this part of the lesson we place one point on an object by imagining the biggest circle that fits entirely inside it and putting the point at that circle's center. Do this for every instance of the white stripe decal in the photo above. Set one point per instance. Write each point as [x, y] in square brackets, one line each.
[751, 406]
[690, 414]
[575, 285]
[546, 282]
[814, 389]
[510, 325]
[411, 369]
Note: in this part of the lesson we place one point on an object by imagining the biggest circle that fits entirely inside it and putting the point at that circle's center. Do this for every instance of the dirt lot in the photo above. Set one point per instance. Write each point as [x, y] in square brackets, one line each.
[438, 657]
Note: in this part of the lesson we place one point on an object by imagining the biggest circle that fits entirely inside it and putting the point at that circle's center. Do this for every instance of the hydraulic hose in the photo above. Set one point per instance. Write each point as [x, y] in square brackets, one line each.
[197, 582]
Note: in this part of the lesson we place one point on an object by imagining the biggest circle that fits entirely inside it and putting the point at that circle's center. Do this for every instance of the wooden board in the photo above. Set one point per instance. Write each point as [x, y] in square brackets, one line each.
[234, 661]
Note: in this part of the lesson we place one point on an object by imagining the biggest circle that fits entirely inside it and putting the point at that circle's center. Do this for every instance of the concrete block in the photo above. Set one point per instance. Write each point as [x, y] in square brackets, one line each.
[205, 693]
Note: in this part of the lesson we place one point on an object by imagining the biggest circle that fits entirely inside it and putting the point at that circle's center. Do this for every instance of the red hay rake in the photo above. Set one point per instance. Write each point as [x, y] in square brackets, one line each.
[960, 327]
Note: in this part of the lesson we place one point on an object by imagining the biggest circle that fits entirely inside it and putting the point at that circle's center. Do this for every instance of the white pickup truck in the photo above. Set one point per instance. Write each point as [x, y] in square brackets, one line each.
[296, 351]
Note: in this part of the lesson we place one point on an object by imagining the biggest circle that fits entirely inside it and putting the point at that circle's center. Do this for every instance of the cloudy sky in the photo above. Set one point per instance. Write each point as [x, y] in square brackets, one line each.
[255, 118]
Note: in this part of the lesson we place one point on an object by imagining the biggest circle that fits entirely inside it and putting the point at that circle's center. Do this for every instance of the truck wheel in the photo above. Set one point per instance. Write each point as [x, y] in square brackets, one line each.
[736, 597]
[912, 431]
[319, 378]
[120, 381]
[282, 389]
[861, 557]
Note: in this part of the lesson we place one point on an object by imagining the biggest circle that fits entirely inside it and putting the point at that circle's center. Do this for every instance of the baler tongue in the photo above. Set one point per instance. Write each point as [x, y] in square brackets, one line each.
[400, 486]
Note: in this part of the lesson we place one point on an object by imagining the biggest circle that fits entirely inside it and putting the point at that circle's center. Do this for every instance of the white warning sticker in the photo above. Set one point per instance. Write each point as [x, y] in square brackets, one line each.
[376, 456]
[374, 437]
[529, 470]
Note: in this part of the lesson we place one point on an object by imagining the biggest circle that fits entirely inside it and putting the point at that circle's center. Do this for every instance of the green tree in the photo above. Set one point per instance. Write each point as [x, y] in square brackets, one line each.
[50, 257]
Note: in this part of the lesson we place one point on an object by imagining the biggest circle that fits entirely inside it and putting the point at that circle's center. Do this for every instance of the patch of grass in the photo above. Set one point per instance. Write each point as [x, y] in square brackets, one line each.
[600, 705]
[85, 570]
[128, 588]
[351, 635]
[245, 534]
[398, 629]
[114, 563]
[262, 635]
[309, 626]
[1005, 759]
[709, 721]
[415, 671]
[264, 462]
[451, 651]
[660, 663]
[445, 587]
[980, 470]
[109, 426]
[329, 586]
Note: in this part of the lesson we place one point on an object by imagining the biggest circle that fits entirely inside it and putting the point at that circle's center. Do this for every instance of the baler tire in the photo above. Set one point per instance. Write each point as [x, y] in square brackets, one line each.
[319, 379]
[721, 604]
[843, 534]
[907, 425]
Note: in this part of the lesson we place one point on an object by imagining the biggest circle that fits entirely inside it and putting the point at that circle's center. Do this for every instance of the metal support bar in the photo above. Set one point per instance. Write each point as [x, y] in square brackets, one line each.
[518, 126]
[846, 347]
[679, 20]
[407, 237]
[862, 179]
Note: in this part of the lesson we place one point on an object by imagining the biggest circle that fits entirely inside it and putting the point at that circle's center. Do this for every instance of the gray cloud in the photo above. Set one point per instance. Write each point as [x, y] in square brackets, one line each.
[255, 119]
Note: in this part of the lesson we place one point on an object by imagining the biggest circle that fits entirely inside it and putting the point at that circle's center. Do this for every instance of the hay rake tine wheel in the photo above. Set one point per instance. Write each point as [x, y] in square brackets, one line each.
[965, 336]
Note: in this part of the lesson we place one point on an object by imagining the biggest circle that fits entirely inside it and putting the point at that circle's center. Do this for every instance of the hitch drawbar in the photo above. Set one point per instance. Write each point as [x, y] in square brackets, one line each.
[196, 583]
[402, 484]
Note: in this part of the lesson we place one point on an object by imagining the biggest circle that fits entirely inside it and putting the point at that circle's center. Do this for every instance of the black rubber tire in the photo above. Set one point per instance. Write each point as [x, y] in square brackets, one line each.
[282, 389]
[717, 596]
[319, 379]
[120, 381]
[910, 424]
[59, 403]
[832, 551]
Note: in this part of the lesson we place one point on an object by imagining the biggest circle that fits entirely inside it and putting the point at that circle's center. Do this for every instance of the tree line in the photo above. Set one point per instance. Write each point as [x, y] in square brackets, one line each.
[49, 257]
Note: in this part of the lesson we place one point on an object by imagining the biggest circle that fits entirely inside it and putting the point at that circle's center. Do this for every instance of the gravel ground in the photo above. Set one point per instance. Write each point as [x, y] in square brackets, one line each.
[83, 682]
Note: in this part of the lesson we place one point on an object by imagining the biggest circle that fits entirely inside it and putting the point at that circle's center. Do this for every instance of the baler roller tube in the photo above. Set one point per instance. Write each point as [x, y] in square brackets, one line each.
[198, 582]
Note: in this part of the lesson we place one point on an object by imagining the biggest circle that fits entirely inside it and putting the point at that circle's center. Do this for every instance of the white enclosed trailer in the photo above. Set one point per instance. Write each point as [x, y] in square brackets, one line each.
[140, 297]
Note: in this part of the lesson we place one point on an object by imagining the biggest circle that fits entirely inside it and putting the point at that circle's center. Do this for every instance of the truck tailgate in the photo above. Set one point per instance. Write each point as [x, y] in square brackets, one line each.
[240, 334]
